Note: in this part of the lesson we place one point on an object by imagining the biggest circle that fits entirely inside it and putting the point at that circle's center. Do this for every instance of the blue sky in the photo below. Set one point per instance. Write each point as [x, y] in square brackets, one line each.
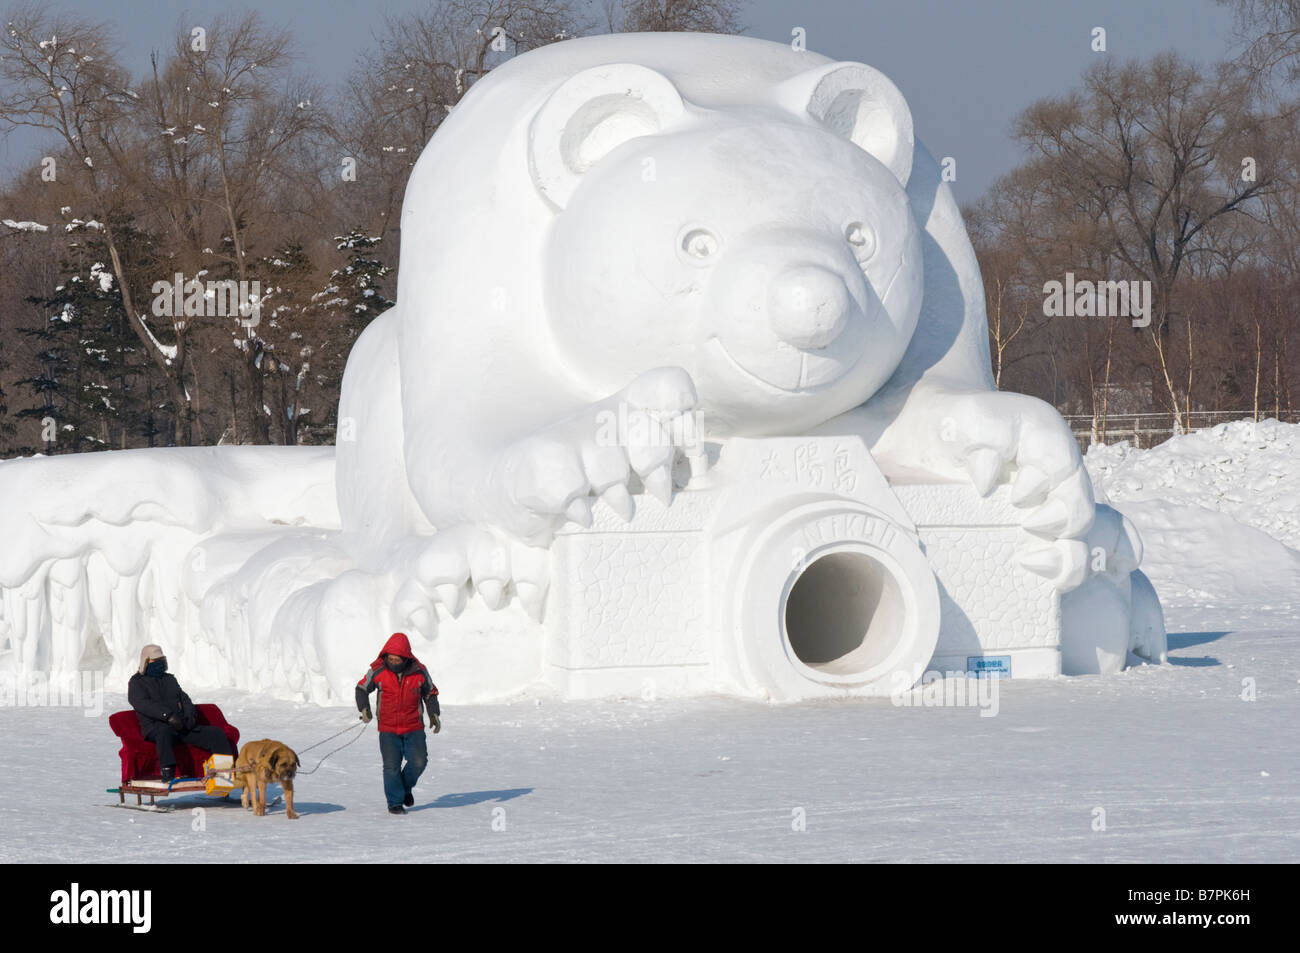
[967, 67]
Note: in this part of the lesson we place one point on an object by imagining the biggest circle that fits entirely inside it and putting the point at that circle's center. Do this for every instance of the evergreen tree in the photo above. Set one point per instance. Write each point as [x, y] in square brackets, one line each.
[350, 301]
[53, 389]
[90, 393]
[7, 428]
[279, 342]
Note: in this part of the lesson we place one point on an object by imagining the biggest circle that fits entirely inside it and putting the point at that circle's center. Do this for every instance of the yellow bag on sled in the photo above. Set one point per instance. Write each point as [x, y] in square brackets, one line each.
[219, 774]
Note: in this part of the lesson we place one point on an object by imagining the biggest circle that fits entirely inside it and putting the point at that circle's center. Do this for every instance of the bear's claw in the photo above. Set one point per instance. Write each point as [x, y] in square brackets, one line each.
[551, 477]
[995, 437]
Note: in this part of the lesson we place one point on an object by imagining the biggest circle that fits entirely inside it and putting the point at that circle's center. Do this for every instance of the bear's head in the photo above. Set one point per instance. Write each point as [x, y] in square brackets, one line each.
[769, 248]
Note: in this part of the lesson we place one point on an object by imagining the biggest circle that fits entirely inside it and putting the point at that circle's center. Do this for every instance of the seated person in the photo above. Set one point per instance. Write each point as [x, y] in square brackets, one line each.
[166, 713]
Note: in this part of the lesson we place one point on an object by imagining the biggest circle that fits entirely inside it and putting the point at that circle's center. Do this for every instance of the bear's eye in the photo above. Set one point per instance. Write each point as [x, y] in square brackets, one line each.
[700, 243]
[862, 238]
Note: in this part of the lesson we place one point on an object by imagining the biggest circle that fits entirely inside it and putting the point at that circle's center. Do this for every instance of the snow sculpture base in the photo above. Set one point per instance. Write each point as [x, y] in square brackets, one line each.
[995, 616]
[789, 569]
[795, 571]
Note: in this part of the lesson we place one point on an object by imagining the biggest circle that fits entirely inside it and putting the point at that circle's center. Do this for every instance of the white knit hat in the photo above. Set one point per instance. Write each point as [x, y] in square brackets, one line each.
[148, 652]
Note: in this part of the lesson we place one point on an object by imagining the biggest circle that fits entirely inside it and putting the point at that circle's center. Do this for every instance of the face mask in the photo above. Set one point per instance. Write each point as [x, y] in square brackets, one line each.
[395, 668]
[156, 667]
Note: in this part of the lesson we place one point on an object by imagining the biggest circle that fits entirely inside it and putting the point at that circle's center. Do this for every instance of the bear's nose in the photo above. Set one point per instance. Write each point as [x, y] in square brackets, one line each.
[808, 306]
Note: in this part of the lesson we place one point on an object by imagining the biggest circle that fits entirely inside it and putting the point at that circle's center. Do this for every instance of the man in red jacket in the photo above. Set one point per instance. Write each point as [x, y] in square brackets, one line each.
[403, 685]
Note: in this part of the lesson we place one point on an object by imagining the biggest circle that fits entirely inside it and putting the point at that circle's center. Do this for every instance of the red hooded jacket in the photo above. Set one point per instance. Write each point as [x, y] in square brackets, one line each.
[400, 693]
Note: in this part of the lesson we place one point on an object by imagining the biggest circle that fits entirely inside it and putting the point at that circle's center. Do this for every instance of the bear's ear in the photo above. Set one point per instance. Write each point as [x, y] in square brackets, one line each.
[862, 105]
[588, 116]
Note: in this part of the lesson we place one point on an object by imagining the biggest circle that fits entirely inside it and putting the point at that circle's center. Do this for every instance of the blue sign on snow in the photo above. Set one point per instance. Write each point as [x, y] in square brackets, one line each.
[993, 665]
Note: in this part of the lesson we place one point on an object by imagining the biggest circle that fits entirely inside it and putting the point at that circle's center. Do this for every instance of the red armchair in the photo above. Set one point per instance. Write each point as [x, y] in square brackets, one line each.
[140, 758]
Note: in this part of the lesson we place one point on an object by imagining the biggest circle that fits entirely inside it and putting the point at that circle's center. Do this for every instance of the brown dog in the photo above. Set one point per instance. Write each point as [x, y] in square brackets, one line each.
[259, 763]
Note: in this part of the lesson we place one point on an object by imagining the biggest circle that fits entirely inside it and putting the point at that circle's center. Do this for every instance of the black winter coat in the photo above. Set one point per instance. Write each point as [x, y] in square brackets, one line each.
[156, 697]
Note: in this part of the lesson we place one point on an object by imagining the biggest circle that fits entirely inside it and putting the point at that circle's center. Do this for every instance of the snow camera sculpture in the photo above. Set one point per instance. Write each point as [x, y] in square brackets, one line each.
[687, 389]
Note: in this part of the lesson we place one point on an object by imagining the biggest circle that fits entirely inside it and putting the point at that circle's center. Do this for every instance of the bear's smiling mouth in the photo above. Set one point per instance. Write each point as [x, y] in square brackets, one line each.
[804, 384]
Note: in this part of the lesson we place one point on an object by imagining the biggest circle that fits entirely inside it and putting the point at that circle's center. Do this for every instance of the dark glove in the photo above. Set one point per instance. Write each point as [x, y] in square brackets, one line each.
[435, 723]
[190, 722]
[366, 716]
[176, 722]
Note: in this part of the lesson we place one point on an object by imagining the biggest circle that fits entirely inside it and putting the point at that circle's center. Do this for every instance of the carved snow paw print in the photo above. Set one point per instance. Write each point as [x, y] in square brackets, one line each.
[998, 437]
[623, 444]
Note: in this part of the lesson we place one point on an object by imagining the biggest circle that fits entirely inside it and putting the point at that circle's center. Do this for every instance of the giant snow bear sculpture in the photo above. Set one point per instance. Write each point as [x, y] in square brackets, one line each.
[758, 217]
[740, 252]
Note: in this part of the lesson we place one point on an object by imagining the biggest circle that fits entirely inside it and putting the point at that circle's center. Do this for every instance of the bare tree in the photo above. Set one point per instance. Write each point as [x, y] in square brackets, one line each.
[1002, 264]
[247, 115]
[676, 16]
[61, 75]
[421, 64]
[1271, 32]
[1156, 153]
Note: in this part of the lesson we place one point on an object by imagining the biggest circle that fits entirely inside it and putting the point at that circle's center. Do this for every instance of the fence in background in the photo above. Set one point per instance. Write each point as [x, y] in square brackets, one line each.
[1147, 430]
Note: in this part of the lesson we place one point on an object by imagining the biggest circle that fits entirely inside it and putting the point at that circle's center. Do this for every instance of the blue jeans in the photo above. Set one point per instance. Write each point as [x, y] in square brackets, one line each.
[399, 780]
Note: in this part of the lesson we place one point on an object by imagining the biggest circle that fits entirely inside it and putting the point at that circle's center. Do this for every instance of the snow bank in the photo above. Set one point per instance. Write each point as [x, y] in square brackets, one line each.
[1247, 470]
[1196, 556]
[1218, 510]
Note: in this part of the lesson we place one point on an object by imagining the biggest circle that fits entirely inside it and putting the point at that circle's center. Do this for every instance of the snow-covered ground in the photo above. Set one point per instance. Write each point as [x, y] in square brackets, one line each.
[1183, 767]
[1197, 760]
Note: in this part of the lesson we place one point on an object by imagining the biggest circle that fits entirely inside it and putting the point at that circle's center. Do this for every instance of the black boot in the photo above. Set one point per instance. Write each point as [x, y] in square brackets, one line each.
[169, 774]
[397, 810]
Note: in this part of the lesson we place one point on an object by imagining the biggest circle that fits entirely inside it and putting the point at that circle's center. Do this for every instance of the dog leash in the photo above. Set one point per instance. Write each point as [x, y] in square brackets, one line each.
[362, 726]
[331, 738]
